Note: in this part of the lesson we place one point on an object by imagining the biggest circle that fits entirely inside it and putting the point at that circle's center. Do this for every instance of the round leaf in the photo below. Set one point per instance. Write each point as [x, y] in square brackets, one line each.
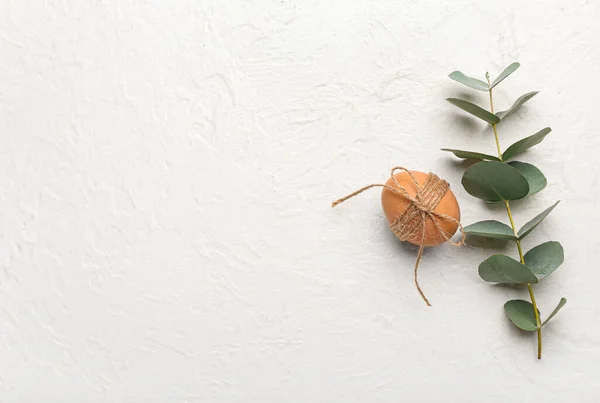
[495, 181]
[521, 314]
[535, 177]
[530, 226]
[491, 229]
[471, 154]
[469, 81]
[506, 270]
[474, 110]
[544, 259]
[525, 144]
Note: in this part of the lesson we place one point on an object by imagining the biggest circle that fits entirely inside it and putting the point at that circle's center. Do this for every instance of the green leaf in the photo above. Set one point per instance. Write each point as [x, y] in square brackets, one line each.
[491, 229]
[471, 154]
[505, 73]
[561, 303]
[474, 110]
[506, 270]
[544, 259]
[521, 313]
[525, 144]
[536, 179]
[520, 101]
[495, 181]
[530, 226]
[469, 81]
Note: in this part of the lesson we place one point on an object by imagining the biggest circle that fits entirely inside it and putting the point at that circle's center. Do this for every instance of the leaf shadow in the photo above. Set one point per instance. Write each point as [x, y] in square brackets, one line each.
[465, 123]
[485, 129]
[467, 96]
[522, 110]
[487, 243]
[523, 203]
[495, 206]
[463, 164]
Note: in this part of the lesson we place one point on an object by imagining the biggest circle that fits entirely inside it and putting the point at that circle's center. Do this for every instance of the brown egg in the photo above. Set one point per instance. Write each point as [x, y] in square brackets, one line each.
[394, 205]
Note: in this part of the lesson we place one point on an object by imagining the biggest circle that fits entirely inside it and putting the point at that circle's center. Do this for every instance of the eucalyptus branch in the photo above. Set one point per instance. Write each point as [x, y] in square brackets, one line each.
[514, 228]
[494, 180]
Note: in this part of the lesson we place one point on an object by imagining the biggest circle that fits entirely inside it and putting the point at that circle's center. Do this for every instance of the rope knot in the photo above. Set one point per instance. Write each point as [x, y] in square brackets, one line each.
[421, 207]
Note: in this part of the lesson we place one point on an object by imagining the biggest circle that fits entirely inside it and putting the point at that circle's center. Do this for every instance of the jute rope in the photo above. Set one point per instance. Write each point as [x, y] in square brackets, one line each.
[420, 209]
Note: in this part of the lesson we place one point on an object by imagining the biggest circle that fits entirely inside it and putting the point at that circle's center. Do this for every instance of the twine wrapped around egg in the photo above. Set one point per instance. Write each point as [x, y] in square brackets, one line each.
[411, 223]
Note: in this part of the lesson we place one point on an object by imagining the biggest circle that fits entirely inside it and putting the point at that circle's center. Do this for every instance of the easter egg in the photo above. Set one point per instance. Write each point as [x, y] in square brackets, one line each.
[406, 218]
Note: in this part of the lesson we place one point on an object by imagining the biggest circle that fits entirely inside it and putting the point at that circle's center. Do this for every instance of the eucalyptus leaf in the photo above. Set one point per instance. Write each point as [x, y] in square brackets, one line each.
[506, 270]
[505, 73]
[521, 313]
[544, 259]
[474, 110]
[491, 229]
[495, 181]
[525, 144]
[561, 303]
[518, 103]
[469, 81]
[530, 226]
[535, 177]
[471, 154]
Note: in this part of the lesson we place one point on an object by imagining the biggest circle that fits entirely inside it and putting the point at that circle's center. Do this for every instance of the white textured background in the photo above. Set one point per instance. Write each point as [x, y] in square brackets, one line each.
[166, 170]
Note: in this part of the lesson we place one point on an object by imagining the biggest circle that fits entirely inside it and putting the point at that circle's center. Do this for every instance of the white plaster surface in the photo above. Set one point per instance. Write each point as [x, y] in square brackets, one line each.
[166, 174]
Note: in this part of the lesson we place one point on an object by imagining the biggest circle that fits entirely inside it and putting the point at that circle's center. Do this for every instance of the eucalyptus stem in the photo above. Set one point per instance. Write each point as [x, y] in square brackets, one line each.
[514, 228]
[495, 179]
